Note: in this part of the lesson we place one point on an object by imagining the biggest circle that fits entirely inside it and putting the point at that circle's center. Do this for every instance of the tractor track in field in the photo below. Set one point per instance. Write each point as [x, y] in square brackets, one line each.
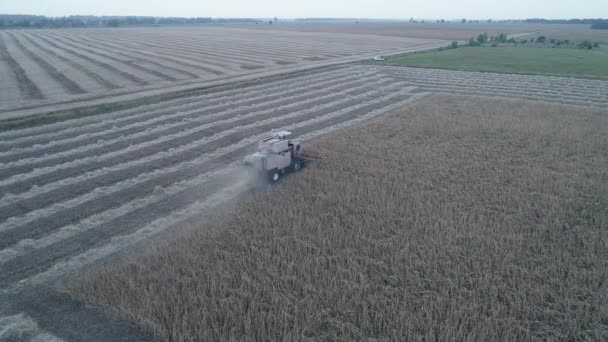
[77, 192]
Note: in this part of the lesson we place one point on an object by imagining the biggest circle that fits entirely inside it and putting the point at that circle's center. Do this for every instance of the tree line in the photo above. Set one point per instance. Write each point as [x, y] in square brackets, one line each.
[567, 21]
[37, 21]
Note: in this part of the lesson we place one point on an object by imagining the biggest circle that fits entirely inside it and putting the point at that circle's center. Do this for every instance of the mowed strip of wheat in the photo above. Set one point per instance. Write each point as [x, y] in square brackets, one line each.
[162, 68]
[40, 274]
[208, 48]
[27, 88]
[32, 216]
[274, 48]
[37, 146]
[168, 132]
[92, 62]
[285, 115]
[137, 66]
[552, 89]
[73, 153]
[53, 68]
[196, 62]
[212, 59]
[136, 73]
[83, 177]
[95, 80]
[10, 89]
[50, 82]
[39, 134]
[557, 92]
[102, 148]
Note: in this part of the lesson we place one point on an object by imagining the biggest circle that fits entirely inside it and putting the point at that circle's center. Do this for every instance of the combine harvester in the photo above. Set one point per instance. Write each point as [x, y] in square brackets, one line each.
[277, 155]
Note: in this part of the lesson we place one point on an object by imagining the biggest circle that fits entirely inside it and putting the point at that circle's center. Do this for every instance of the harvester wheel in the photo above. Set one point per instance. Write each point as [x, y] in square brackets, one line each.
[297, 165]
[274, 176]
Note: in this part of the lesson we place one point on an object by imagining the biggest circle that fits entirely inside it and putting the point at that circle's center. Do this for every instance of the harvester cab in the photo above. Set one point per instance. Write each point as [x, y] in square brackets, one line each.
[278, 154]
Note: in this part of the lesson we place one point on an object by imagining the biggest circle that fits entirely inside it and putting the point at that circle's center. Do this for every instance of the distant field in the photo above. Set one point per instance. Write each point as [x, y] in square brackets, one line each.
[41, 67]
[452, 31]
[460, 218]
[573, 33]
[516, 60]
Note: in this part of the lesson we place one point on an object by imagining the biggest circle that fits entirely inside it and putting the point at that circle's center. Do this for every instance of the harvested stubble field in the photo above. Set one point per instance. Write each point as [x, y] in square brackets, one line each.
[44, 67]
[459, 218]
[574, 91]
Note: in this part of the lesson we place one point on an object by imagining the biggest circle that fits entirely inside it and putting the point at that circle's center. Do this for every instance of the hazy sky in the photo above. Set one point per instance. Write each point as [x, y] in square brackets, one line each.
[398, 9]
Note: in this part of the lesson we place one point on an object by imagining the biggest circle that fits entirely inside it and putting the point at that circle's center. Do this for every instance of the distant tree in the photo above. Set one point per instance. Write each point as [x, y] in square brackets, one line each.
[482, 38]
[524, 41]
[489, 20]
[113, 23]
[442, 21]
[585, 44]
[464, 21]
[541, 39]
[275, 19]
[269, 22]
[473, 42]
[454, 45]
[532, 40]
[596, 45]
[502, 38]
[600, 26]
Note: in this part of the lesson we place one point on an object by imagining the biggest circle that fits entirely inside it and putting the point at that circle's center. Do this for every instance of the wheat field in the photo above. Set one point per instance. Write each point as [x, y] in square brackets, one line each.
[456, 218]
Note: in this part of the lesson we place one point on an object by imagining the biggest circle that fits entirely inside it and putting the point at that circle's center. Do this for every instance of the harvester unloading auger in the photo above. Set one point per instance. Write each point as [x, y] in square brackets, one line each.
[278, 155]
